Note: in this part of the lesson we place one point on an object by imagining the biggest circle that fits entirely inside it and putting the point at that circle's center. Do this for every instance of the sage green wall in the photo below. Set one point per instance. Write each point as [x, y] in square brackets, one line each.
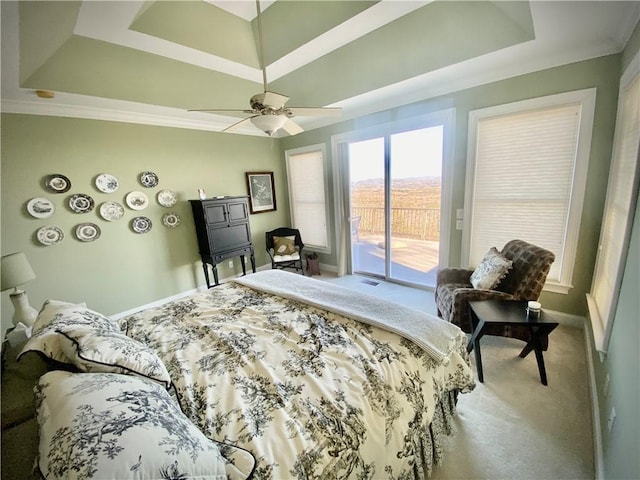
[622, 362]
[122, 270]
[602, 73]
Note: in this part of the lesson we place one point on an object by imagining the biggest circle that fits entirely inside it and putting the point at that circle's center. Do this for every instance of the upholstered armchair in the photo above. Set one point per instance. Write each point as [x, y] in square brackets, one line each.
[284, 246]
[530, 266]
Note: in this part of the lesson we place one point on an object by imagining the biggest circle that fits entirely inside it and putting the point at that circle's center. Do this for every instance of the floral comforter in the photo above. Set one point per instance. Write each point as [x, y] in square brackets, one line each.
[310, 393]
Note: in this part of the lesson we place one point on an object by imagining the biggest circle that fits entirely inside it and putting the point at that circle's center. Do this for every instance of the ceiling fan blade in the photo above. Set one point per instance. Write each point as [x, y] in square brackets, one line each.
[274, 100]
[237, 125]
[314, 111]
[291, 127]
[220, 110]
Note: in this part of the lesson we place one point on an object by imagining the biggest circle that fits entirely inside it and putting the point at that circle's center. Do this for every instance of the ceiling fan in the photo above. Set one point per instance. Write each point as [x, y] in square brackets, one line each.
[268, 111]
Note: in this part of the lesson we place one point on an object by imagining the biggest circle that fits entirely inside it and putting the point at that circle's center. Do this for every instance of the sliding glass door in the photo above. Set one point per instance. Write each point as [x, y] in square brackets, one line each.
[395, 198]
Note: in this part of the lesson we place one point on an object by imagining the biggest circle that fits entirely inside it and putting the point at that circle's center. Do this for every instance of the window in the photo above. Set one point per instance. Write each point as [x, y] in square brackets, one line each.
[307, 194]
[526, 173]
[618, 213]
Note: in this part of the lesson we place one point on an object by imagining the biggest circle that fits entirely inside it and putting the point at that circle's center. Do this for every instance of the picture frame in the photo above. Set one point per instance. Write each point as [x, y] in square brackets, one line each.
[262, 192]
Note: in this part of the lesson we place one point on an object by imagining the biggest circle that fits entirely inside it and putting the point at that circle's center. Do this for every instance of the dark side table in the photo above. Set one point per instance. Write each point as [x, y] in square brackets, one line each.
[504, 312]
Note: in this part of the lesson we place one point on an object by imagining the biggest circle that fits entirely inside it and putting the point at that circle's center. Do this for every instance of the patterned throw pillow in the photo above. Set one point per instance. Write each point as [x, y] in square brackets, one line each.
[491, 271]
[75, 335]
[112, 352]
[284, 245]
[56, 314]
[108, 426]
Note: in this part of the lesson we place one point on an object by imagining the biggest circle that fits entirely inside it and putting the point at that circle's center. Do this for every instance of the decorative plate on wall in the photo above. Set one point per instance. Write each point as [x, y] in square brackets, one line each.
[107, 183]
[87, 232]
[49, 235]
[111, 211]
[141, 224]
[81, 203]
[57, 183]
[166, 198]
[40, 207]
[137, 200]
[171, 220]
[148, 179]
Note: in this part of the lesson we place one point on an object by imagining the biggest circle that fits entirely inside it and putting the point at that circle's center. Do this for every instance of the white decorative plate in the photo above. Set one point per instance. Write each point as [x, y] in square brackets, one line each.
[171, 220]
[137, 200]
[141, 224]
[57, 183]
[111, 211]
[87, 232]
[107, 183]
[166, 198]
[49, 235]
[148, 179]
[81, 203]
[40, 207]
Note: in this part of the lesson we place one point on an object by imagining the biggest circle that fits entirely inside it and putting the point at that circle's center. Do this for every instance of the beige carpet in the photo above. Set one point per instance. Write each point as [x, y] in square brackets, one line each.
[511, 426]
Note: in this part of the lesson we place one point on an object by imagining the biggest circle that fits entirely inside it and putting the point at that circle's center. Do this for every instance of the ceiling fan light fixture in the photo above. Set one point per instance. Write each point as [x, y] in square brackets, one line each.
[269, 124]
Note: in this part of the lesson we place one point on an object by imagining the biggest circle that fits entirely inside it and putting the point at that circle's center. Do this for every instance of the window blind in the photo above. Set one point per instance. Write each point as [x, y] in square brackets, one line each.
[614, 234]
[524, 170]
[307, 196]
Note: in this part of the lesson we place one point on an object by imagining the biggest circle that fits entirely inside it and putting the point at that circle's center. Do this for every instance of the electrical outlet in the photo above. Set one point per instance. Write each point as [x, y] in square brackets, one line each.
[458, 224]
[606, 385]
[230, 263]
[459, 214]
[246, 259]
[612, 419]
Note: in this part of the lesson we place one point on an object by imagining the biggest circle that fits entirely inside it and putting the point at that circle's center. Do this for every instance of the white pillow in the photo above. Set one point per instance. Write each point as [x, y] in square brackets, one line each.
[493, 268]
[111, 426]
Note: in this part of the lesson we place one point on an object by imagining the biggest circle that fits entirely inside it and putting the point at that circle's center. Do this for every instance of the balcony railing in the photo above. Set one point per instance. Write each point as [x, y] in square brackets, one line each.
[418, 223]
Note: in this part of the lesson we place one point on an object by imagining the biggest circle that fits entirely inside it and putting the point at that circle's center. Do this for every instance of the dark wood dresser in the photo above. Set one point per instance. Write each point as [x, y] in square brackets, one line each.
[222, 227]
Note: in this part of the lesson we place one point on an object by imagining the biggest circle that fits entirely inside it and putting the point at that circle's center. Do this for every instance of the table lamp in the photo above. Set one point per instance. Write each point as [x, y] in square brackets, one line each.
[16, 271]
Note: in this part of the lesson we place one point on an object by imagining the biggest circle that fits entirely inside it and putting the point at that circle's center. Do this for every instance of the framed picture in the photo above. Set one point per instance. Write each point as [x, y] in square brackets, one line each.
[262, 192]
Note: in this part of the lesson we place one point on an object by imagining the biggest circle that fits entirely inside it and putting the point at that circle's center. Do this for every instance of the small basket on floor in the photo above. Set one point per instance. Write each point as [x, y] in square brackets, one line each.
[313, 264]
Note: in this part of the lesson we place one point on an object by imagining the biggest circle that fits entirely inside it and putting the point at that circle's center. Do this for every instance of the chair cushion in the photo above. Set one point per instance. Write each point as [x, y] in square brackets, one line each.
[492, 269]
[284, 245]
[286, 258]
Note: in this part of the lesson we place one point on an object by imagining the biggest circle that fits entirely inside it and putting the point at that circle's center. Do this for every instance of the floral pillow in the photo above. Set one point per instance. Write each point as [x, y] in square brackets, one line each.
[111, 426]
[493, 268]
[73, 334]
[56, 314]
[112, 352]
[284, 245]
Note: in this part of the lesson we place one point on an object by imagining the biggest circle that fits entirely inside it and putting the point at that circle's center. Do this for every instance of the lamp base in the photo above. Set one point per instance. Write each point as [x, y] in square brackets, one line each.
[24, 313]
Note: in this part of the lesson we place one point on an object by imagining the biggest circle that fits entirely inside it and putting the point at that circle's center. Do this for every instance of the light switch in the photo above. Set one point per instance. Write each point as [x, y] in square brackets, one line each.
[459, 224]
[459, 214]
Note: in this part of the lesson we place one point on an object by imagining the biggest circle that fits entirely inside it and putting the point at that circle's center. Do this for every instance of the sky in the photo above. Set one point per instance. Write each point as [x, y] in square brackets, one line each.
[417, 153]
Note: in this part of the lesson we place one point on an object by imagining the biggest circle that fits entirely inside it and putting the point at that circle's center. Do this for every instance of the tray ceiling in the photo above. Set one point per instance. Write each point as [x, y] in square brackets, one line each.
[149, 62]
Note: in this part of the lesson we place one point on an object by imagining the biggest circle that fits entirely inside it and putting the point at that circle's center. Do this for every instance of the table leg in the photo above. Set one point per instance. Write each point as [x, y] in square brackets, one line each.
[474, 344]
[539, 358]
[215, 273]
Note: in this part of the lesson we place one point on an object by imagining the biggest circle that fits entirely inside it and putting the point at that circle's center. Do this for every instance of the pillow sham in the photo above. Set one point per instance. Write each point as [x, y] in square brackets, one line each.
[56, 314]
[110, 426]
[113, 352]
[284, 245]
[75, 335]
[493, 268]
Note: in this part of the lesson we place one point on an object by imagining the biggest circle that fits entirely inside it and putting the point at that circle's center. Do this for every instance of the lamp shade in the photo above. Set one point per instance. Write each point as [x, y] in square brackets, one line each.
[269, 124]
[15, 270]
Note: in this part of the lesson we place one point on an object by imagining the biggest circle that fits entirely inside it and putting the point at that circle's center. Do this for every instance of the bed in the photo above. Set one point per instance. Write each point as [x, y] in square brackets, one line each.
[283, 375]
[286, 367]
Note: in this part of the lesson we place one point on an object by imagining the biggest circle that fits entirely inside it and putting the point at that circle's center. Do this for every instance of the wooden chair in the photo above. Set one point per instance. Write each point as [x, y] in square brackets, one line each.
[284, 246]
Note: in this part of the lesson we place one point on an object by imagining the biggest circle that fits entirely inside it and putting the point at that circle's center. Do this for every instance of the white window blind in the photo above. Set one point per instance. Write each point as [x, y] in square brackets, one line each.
[305, 170]
[525, 181]
[616, 224]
